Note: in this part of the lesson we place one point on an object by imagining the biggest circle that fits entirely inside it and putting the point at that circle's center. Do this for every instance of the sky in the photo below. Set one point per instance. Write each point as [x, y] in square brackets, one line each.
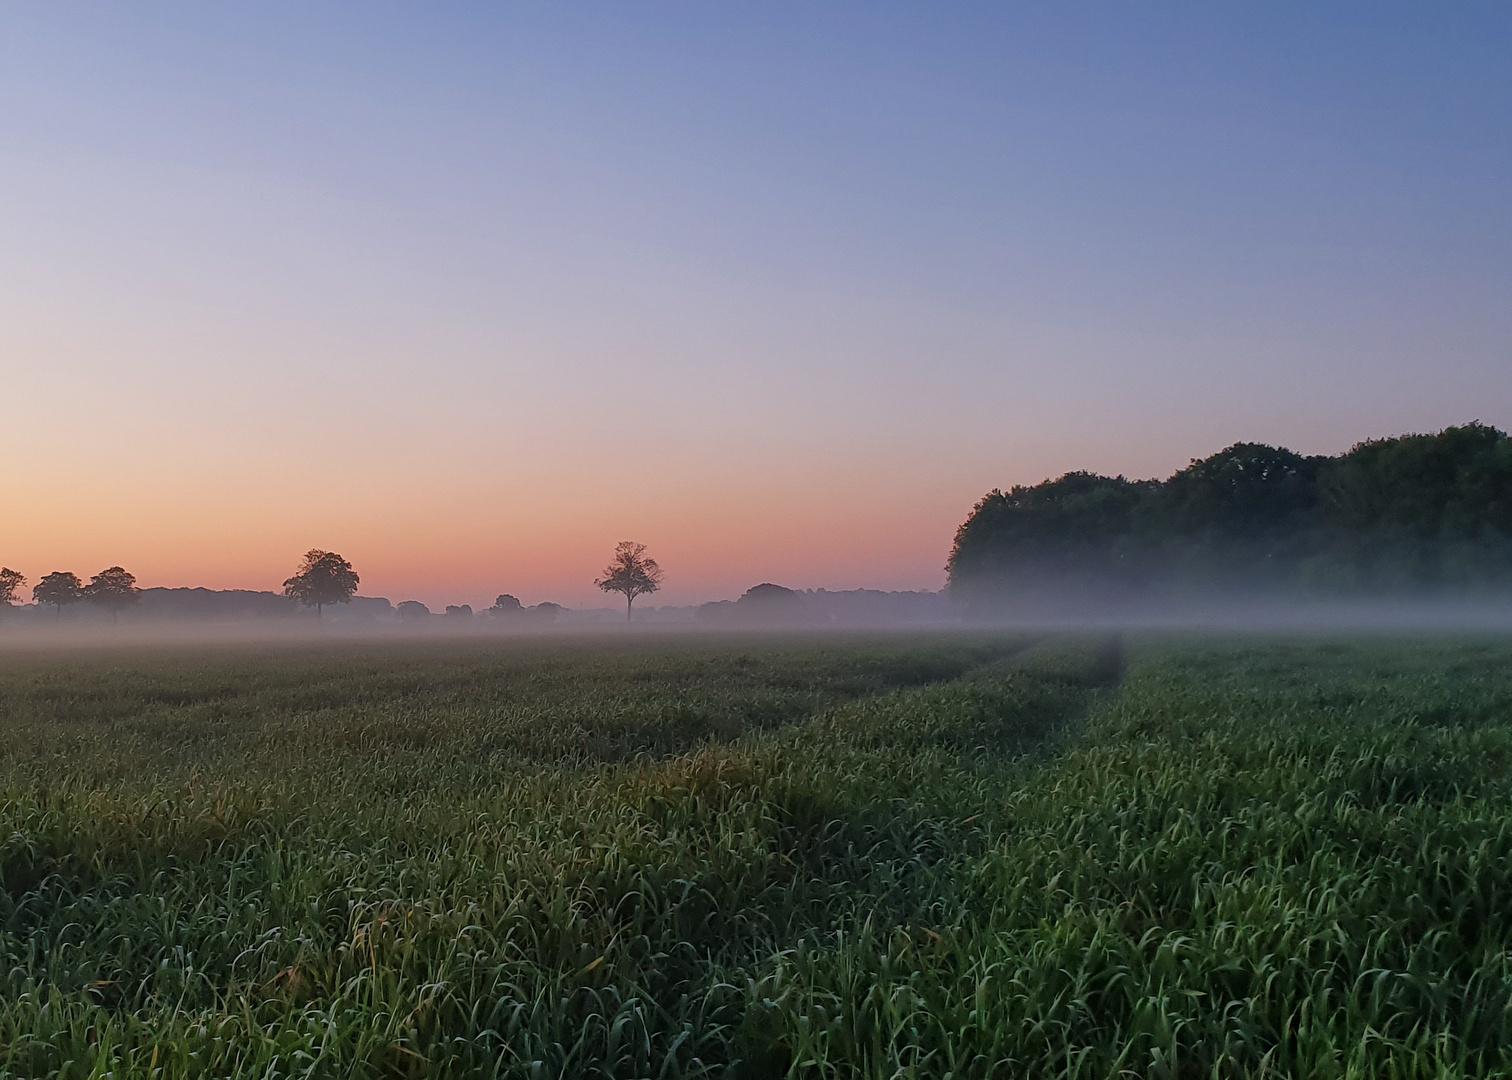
[469, 292]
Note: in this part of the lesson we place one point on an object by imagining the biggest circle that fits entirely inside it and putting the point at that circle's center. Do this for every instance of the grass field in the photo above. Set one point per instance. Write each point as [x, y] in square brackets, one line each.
[948, 855]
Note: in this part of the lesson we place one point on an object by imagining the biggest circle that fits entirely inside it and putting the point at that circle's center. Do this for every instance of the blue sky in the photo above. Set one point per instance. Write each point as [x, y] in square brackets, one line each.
[472, 291]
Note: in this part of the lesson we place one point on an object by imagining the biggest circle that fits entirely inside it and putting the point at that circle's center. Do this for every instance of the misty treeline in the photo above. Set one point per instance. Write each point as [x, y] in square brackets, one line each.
[323, 579]
[111, 589]
[772, 605]
[1414, 515]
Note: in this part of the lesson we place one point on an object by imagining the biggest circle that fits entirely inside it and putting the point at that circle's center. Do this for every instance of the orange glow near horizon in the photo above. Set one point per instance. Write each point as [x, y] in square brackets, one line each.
[540, 538]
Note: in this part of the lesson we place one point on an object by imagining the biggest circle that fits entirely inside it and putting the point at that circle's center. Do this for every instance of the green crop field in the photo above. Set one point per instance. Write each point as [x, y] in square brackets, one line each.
[929, 855]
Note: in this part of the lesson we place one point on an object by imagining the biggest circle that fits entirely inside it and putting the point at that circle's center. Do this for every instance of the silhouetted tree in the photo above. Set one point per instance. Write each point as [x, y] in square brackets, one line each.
[1074, 537]
[323, 578]
[1243, 519]
[1242, 491]
[506, 607]
[630, 572]
[59, 589]
[11, 583]
[112, 588]
[1420, 510]
[545, 611]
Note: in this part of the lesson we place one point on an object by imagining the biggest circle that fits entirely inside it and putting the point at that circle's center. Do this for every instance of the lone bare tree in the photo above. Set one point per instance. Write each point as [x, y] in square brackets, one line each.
[631, 573]
[11, 583]
[112, 588]
[323, 578]
[58, 588]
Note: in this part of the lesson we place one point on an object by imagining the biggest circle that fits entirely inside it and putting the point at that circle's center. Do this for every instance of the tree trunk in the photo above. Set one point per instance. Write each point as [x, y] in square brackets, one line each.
[629, 603]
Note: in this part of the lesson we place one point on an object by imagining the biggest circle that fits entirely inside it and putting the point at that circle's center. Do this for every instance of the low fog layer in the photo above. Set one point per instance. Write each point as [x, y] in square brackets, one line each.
[197, 613]
[202, 616]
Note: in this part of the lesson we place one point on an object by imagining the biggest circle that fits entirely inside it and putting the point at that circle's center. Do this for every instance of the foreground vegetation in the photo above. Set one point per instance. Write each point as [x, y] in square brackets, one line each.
[952, 855]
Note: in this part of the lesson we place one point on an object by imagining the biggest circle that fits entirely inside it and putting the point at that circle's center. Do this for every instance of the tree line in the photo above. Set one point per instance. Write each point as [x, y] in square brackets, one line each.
[1413, 514]
[323, 578]
[112, 589]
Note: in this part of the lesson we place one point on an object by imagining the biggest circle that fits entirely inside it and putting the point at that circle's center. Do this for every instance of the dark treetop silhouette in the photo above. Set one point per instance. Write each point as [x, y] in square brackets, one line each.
[631, 572]
[1409, 515]
[323, 578]
[113, 589]
[11, 583]
[58, 588]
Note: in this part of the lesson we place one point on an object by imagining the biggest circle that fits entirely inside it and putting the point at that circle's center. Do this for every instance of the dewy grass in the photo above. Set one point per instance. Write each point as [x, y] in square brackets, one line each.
[876, 856]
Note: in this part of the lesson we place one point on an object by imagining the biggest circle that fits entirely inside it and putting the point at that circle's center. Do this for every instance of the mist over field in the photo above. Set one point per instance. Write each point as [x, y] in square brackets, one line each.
[880, 612]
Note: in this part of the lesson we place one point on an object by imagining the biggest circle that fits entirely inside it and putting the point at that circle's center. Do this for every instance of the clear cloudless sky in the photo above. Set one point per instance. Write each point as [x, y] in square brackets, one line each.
[471, 291]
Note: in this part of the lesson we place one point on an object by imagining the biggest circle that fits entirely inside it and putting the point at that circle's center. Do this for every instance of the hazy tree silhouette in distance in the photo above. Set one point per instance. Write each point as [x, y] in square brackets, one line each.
[11, 583]
[58, 589]
[1402, 514]
[631, 573]
[323, 578]
[112, 588]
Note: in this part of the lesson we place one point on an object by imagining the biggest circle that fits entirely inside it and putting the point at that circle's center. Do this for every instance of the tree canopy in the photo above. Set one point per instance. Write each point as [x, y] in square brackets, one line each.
[1416, 513]
[60, 588]
[11, 584]
[631, 572]
[112, 588]
[324, 577]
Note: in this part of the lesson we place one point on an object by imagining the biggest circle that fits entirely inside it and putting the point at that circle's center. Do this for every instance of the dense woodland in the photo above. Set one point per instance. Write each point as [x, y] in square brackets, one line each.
[1408, 516]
